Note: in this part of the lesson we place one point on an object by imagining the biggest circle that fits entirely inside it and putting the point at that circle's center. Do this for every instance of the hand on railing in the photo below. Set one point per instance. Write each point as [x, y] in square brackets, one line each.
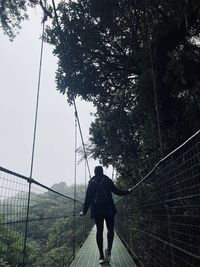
[82, 214]
[130, 189]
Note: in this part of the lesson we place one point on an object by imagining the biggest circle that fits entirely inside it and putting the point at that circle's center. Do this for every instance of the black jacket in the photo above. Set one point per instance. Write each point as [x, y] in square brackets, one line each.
[110, 188]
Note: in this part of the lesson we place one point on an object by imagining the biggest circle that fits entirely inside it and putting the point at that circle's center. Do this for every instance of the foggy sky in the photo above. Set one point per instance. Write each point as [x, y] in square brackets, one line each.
[54, 151]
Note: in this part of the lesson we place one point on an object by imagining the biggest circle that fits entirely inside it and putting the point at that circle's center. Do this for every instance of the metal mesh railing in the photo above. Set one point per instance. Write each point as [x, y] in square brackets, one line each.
[160, 220]
[37, 223]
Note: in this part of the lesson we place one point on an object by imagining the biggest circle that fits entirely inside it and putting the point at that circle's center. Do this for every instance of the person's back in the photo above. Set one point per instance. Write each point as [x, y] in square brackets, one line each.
[99, 198]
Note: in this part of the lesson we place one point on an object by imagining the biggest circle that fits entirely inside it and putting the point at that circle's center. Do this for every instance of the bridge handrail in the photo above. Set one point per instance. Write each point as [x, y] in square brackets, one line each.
[31, 180]
[29, 212]
[159, 220]
[163, 159]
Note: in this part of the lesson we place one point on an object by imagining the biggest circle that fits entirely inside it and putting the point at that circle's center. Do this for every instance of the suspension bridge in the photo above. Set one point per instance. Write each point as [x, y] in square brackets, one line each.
[157, 225]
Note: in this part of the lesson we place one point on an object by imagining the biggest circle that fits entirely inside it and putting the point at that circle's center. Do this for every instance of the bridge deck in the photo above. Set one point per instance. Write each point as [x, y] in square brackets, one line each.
[88, 255]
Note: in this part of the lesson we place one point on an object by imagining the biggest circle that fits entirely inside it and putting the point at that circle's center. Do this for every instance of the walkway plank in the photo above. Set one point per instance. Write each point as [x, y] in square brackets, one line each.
[88, 255]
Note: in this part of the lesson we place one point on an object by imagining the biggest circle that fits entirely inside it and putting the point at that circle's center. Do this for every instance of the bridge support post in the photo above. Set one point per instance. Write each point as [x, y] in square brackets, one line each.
[26, 226]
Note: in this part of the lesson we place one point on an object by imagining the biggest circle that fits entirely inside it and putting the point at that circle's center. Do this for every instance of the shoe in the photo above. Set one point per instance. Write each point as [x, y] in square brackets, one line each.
[107, 256]
[101, 260]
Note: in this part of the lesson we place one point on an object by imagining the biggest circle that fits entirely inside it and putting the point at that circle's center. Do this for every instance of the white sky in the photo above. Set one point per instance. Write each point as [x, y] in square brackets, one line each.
[54, 151]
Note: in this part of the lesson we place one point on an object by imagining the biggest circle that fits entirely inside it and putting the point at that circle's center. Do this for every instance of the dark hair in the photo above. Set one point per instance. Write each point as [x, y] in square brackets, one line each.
[98, 170]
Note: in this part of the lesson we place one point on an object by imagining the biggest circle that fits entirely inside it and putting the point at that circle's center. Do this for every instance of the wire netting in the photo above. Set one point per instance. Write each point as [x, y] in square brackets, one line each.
[13, 209]
[160, 220]
[37, 223]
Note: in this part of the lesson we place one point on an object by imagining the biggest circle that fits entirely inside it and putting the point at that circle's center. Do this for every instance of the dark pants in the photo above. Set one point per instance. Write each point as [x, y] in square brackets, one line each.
[99, 221]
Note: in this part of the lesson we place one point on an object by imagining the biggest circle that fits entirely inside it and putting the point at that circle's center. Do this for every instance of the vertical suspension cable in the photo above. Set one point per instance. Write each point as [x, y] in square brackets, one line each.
[26, 226]
[33, 148]
[81, 134]
[75, 178]
[156, 102]
[154, 78]
[84, 218]
[37, 101]
[85, 176]
[60, 35]
[122, 105]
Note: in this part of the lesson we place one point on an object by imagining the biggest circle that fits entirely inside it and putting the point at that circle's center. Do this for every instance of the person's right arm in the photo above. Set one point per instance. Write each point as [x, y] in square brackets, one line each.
[117, 191]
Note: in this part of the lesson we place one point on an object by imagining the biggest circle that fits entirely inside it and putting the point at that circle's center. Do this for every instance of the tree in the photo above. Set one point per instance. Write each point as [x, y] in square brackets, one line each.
[11, 244]
[122, 55]
[50, 232]
[13, 12]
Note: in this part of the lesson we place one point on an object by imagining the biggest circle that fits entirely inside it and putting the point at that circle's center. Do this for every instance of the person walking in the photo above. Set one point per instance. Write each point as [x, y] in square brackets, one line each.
[99, 199]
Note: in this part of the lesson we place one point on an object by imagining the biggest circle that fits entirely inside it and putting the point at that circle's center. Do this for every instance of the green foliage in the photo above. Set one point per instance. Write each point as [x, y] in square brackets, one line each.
[12, 13]
[93, 58]
[57, 251]
[3, 263]
[122, 55]
[11, 244]
[50, 233]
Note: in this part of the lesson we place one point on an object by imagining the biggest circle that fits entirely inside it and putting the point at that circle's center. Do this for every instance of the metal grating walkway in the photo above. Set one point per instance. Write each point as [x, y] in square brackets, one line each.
[88, 254]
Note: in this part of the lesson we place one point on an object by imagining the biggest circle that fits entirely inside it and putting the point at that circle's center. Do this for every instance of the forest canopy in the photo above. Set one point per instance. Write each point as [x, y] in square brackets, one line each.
[138, 62]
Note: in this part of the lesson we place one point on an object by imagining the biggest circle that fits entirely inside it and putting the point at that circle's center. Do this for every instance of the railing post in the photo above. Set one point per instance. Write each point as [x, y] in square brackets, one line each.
[74, 230]
[26, 226]
[75, 173]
